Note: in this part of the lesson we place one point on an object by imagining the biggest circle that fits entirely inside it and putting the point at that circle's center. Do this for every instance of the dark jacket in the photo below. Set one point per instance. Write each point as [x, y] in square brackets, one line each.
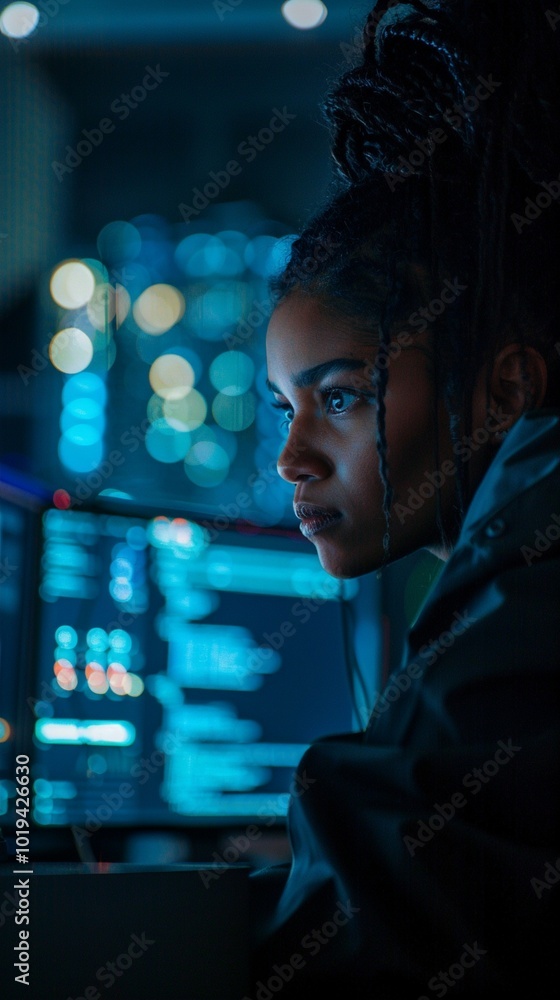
[426, 850]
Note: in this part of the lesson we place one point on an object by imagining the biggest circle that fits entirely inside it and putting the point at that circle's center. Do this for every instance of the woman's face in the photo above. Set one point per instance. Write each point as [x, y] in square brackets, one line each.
[320, 371]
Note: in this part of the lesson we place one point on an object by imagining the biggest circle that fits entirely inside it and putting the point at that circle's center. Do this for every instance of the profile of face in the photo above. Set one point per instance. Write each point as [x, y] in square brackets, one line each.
[320, 371]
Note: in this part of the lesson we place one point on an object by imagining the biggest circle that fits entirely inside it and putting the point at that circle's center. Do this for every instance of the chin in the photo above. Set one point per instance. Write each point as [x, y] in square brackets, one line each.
[338, 565]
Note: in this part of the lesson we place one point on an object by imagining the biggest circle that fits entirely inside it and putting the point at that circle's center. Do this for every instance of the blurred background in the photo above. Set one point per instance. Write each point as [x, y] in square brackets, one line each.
[164, 625]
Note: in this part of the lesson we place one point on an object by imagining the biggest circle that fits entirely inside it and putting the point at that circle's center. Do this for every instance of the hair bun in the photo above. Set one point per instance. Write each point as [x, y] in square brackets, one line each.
[466, 68]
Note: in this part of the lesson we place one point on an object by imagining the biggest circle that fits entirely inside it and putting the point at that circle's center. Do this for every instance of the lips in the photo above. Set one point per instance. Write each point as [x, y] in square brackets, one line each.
[314, 518]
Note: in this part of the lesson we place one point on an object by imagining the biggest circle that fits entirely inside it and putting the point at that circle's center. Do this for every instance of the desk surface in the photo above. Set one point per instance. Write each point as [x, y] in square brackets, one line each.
[171, 932]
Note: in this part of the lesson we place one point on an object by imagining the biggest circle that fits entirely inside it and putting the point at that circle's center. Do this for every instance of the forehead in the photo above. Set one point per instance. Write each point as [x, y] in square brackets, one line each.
[303, 332]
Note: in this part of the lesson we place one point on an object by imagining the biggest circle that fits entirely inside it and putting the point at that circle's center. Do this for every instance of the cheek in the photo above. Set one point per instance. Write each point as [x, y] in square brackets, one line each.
[411, 443]
[358, 466]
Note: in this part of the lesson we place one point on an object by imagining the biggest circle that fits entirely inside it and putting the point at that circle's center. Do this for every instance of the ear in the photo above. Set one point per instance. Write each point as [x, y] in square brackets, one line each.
[518, 382]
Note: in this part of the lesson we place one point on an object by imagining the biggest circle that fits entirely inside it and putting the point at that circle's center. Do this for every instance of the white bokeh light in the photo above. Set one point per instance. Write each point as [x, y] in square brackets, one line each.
[304, 14]
[18, 20]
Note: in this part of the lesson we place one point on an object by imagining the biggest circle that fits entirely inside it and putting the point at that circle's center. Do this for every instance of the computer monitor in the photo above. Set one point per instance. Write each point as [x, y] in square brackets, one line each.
[180, 668]
[21, 503]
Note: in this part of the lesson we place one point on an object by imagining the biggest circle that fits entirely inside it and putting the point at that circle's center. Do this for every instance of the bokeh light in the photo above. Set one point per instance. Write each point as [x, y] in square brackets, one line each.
[158, 308]
[304, 14]
[186, 414]
[118, 242]
[207, 464]
[65, 674]
[18, 20]
[166, 443]
[210, 310]
[80, 448]
[62, 499]
[108, 303]
[171, 376]
[72, 284]
[84, 384]
[66, 636]
[232, 373]
[132, 685]
[70, 350]
[202, 255]
[97, 639]
[234, 413]
[82, 410]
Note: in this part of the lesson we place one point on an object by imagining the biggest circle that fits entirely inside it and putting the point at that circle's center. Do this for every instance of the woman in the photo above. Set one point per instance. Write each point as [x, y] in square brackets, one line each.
[417, 363]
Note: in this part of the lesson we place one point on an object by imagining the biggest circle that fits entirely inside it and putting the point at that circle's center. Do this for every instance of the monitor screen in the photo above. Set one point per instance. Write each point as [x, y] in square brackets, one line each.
[180, 669]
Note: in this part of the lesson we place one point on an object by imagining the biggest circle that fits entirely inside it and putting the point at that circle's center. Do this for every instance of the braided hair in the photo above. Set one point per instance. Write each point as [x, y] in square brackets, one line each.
[446, 155]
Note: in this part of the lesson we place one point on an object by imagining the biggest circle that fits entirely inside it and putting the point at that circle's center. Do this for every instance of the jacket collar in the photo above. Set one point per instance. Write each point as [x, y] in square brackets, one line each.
[529, 453]
[519, 489]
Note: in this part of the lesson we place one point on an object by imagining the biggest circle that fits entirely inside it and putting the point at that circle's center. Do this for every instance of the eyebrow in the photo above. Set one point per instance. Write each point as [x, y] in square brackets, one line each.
[310, 376]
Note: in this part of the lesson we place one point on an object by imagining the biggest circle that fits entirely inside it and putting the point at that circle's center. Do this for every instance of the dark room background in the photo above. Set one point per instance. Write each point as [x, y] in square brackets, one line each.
[156, 160]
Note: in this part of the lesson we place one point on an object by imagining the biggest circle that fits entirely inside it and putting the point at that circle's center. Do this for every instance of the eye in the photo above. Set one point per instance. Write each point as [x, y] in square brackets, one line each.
[339, 400]
[288, 414]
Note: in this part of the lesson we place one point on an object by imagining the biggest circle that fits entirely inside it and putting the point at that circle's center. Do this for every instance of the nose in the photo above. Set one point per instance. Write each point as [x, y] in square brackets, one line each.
[302, 458]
